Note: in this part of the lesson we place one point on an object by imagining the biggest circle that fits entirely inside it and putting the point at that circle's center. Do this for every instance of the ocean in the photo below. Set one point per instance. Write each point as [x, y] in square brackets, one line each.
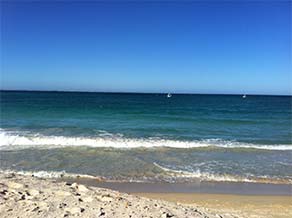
[148, 137]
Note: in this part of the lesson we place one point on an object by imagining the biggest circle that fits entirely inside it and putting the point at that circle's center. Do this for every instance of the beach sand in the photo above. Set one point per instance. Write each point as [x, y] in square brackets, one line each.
[249, 200]
[28, 196]
[258, 200]
[249, 206]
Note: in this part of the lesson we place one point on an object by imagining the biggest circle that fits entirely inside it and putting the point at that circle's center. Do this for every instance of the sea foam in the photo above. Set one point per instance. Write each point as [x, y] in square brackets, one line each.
[16, 140]
[206, 176]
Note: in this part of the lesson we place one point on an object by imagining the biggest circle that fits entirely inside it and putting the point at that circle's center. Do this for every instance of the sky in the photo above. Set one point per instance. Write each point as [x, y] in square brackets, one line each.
[179, 47]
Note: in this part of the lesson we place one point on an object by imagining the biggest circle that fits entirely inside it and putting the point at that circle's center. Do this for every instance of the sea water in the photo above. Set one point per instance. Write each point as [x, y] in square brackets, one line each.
[148, 137]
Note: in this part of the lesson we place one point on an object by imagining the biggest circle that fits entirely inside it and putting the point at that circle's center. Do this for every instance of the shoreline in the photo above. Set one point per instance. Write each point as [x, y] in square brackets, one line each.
[198, 187]
[195, 186]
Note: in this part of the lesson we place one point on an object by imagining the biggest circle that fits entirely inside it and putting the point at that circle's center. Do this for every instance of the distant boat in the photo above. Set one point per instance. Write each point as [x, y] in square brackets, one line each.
[169, 95]
[244, 96]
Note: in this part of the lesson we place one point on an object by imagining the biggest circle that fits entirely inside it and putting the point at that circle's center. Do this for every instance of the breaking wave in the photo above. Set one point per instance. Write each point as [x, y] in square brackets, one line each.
[17, 140]
[205, 176]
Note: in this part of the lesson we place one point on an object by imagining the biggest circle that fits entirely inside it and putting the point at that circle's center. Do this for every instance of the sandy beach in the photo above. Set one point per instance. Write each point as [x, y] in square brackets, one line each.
[241, 199]
[27, 196]
[265, 206]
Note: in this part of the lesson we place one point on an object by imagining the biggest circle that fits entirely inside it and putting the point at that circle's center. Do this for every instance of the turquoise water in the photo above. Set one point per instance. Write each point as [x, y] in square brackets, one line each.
[148, 136]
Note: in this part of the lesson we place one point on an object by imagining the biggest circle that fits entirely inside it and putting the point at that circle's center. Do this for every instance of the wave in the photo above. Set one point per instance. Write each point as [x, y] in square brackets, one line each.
[170, 175]
[19, 140]
[205, 176]
[51, 174]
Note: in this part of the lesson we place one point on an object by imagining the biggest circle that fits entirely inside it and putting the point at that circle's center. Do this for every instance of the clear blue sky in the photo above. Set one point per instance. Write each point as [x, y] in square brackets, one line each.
[193, 47]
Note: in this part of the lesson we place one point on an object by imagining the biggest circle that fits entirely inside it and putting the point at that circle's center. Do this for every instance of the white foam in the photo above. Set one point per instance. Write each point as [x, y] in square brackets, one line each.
[49, 174]
[16, 140]
[205, 176]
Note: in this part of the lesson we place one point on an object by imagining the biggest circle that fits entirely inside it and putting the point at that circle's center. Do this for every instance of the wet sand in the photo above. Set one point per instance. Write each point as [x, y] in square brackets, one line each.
[249, 206]
[211, 187]
[250, 200]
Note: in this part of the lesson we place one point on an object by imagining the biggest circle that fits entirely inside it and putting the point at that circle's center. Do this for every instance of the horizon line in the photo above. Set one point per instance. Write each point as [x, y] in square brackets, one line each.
[132, 92]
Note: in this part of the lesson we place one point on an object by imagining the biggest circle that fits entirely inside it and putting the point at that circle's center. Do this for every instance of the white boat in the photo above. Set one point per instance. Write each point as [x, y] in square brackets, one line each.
[244, 96]
[169, 95]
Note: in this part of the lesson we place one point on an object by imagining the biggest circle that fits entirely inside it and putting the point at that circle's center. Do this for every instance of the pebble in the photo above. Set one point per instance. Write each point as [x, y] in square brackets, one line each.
[74, 185]
[9, 176]
[62, 205]
[3, 192]
[102, 213]
[74, 210]
[68, 183]
[87, 199]
[14, 185]
[106, 199]
[166, 215]
[35, 209]
[33, 192]
[43, 204]
[62, 193]
[82, 188]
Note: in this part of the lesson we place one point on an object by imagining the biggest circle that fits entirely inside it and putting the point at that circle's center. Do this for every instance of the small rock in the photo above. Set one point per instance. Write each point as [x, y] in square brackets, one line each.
[128, 204]
[3, 192]
[74, 210]
[33, 192]
[10, 175]
[74, 185]
[43, 204]
[29, 197]
[82, 188]
[62, 193]
[166, 215]
[104, 198]
[87, 199]
[28, 202]
[35, 209]
[102, 213]
[14, 185]
[62, 205]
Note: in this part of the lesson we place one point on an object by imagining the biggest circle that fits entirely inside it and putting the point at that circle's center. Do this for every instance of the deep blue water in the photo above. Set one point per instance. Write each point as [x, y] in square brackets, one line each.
[202, 134]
